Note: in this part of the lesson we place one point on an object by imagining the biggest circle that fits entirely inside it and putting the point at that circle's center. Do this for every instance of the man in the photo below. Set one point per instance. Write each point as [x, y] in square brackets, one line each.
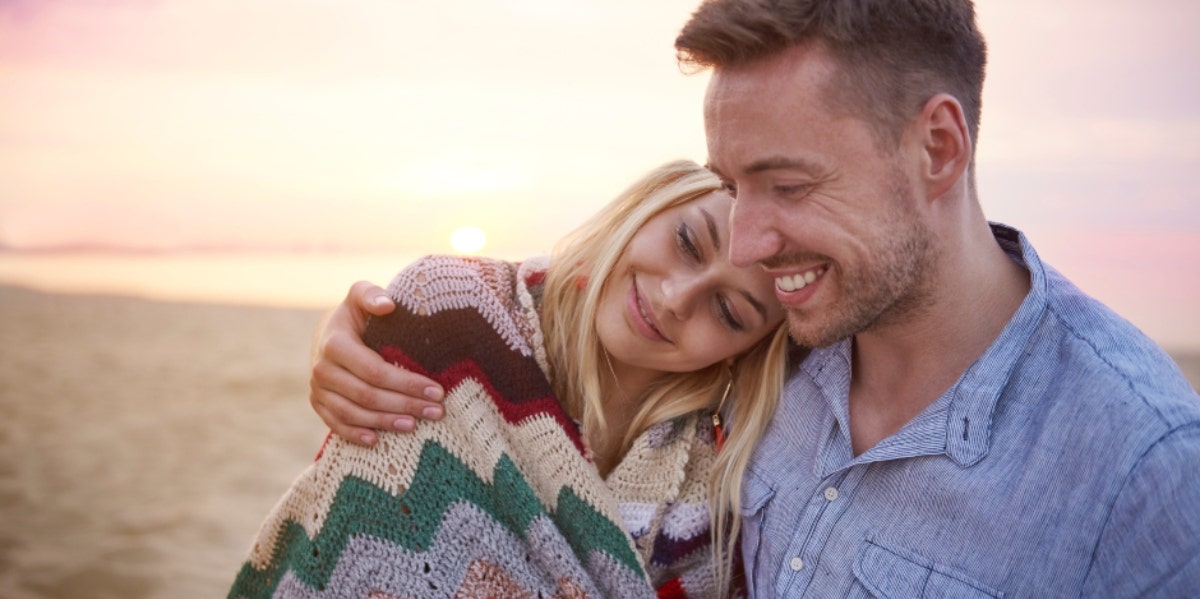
[970, 424]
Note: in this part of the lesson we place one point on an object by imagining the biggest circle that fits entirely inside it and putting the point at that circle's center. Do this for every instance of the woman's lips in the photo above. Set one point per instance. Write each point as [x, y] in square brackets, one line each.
[642, 316]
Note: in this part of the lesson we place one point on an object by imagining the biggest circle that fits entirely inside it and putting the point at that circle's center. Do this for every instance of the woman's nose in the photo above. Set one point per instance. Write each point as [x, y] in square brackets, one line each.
[679, 295]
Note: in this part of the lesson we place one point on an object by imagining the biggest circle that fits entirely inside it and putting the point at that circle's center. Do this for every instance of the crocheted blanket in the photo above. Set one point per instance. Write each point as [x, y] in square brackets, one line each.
[499, 498]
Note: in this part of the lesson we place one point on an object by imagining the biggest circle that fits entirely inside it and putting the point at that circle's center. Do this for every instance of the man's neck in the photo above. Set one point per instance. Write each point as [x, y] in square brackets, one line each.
[899, 369]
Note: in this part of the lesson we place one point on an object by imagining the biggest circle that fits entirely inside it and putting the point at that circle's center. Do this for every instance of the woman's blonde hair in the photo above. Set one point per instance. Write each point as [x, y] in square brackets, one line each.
[575, 281]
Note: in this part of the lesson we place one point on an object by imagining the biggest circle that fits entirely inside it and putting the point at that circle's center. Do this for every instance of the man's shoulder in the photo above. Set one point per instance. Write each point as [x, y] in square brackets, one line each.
[443, 281]
[464, 295]
[1090, 348]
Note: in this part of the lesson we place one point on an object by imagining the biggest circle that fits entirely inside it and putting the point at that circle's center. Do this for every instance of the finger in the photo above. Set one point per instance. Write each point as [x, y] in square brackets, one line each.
[397, 387]
[343, 410]
[369, 406]
[353, 434]
[370, 298]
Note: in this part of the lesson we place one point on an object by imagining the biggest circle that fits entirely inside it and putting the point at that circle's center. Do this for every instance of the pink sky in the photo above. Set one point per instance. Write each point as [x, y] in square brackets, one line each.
[156, 123]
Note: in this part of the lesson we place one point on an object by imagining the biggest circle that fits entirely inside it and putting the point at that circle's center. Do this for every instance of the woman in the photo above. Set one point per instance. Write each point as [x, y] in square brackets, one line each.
[577, 455]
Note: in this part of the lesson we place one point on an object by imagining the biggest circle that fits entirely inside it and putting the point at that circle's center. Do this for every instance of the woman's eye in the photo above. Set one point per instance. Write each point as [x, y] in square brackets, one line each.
[683, 239]
[725, 314]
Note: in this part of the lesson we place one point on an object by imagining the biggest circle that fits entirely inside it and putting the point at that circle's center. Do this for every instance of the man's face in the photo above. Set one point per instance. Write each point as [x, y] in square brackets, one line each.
[830, 213]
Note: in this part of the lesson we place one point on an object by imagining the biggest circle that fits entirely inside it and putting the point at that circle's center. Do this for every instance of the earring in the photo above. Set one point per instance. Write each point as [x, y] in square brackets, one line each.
[718, 429]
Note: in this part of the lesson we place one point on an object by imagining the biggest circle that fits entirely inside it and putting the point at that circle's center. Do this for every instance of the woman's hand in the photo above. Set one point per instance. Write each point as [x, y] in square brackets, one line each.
[352, 388]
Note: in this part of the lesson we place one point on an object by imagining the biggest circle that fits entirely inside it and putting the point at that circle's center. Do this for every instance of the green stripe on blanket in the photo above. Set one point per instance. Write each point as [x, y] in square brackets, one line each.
[412, 519]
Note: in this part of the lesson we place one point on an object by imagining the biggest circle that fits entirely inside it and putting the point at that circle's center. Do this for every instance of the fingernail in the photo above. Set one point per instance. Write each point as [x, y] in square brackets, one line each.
[431, 413]
[380, 300]
[404, 424]
[433, 394]
[367, 439]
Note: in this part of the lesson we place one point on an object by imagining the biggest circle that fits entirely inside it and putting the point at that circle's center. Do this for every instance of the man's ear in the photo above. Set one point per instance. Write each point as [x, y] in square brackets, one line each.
[946, 144]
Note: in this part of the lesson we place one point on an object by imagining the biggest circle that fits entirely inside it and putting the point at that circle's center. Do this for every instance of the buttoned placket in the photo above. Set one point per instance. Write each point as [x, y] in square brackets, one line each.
[822, 511]
[840, 476]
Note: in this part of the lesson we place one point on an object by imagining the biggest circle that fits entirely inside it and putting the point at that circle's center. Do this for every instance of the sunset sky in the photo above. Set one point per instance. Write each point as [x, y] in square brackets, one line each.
[381, 124]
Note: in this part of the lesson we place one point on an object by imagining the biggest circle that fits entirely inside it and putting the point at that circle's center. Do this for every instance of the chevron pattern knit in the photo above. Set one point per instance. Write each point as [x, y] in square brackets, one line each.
[500, 498]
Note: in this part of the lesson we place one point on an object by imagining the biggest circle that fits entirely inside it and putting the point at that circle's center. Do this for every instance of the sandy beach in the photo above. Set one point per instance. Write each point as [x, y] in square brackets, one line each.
[144, 441]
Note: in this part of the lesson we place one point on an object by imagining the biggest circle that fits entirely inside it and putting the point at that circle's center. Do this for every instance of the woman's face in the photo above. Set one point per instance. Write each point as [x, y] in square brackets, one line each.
[674, 302]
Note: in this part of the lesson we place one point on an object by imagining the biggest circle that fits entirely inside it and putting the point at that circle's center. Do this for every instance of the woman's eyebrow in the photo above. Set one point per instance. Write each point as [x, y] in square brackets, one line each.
[712, 228]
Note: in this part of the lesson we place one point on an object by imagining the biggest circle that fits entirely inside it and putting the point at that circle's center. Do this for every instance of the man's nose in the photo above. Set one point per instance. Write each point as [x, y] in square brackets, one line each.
[752, 237]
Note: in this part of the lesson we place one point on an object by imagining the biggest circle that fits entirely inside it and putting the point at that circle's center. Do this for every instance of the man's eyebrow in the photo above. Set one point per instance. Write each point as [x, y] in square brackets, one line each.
[773, 163]
[712, 228]
[783, 162]
[758, 306]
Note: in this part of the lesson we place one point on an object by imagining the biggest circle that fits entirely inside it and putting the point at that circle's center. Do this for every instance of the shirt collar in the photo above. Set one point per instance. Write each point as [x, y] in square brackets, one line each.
[978, 390]
[958, 423]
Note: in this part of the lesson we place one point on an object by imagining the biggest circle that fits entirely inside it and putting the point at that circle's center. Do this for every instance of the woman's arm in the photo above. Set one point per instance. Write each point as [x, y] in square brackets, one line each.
[352, 388]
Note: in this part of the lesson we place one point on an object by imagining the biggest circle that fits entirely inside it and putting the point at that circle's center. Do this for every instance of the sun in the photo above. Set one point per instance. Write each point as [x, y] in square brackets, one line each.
[467, 240]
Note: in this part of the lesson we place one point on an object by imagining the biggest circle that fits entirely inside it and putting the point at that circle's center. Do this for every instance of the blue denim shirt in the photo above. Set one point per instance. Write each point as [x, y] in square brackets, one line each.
[1065, 462]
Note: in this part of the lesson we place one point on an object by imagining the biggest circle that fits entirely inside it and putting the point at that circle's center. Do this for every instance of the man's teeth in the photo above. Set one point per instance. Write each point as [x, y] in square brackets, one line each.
[798, 280]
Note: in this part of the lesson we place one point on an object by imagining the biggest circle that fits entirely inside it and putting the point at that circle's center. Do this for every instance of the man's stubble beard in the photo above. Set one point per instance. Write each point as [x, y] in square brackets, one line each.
[891, 290]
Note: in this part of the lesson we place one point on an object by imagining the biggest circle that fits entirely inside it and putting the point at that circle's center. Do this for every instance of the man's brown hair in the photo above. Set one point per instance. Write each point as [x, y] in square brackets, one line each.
[894, 54]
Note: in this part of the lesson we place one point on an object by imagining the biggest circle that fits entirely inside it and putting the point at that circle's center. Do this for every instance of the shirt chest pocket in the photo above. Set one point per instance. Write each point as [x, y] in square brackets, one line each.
[893, 574]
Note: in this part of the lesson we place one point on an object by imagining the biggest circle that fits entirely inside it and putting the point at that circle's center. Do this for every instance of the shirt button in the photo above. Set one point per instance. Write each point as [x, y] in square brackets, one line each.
[797, 564]
[831, 493]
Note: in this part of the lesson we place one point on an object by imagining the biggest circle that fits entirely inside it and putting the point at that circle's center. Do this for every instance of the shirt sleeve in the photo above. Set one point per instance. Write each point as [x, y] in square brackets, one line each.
[1151, 543]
